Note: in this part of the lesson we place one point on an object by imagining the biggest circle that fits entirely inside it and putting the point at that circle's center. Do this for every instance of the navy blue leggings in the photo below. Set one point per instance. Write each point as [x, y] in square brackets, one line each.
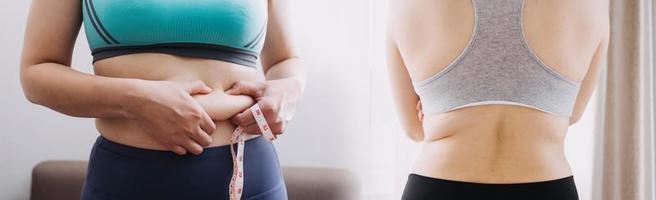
[117, 171]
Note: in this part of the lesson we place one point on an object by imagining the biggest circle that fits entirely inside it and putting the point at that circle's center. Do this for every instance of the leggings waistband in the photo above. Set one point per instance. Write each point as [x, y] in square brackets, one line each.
[422, 187]
[150, 154]
[118, 171]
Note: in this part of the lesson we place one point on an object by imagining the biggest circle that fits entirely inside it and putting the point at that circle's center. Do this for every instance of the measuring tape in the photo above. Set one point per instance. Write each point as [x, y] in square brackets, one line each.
[237, 181]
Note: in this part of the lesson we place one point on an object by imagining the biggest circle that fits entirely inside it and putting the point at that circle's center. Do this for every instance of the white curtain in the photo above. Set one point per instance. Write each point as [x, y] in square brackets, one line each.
[624, 161]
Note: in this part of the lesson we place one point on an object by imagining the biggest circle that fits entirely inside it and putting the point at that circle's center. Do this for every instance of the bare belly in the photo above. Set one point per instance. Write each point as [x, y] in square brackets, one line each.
[218, 75]
[494, 144]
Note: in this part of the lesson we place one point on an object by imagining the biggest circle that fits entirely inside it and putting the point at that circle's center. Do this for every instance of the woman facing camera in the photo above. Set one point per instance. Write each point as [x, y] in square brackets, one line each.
[173, 80]
[489, 87]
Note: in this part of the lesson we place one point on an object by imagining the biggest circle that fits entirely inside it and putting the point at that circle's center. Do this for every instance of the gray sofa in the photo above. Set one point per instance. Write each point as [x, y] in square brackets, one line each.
[62, 180]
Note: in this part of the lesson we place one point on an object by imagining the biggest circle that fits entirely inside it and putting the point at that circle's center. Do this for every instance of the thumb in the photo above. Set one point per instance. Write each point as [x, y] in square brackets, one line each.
[196, 87]
[253, 89]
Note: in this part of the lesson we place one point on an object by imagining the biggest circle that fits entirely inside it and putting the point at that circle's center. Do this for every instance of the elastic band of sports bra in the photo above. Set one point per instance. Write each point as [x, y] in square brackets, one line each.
[237, 180]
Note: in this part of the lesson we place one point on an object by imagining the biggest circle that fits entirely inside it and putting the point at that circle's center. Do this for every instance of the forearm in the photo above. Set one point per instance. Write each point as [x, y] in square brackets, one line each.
[405, 100]
[289, 75]
[412, 127]
[75, 93]
[291, 70]
[403, 93]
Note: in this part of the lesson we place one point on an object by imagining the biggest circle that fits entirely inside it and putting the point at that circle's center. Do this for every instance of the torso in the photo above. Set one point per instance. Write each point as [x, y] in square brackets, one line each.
[215, 41]
[494, 143]
[219, 75]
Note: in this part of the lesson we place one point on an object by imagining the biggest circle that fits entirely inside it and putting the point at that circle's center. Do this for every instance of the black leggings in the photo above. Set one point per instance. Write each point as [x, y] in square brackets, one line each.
[122, 172]
[421, 187]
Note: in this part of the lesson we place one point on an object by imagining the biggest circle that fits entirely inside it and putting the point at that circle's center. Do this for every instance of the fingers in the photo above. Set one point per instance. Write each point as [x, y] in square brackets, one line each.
[249, 88]
[184, 144]
[179, 150]
[277, 128]
[206, 123]
[192, 146]
[197, 87]
[272, 114]
[253, 129]
[244, 119]
[201, 137]
[420, 111]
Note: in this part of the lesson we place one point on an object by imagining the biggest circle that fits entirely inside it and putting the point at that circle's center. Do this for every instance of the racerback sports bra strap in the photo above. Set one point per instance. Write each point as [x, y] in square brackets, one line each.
[498, 67]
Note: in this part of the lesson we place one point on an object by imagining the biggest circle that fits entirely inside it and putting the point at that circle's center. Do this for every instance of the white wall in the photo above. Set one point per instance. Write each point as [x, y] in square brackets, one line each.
[346, 120]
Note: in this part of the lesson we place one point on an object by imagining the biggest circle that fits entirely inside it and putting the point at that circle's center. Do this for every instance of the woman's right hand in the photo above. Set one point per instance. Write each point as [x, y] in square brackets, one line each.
[420, 111]
[167, 111]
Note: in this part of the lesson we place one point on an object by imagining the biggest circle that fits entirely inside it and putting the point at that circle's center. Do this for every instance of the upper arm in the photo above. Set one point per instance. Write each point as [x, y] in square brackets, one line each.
[591, 78]
[279, 44]
[403, 92]
[52, 28]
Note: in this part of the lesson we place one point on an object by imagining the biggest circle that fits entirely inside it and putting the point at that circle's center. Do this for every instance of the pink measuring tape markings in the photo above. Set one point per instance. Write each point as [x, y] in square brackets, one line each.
[237, 181]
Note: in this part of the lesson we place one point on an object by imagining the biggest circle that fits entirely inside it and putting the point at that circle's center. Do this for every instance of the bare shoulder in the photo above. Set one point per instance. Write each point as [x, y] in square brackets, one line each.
[594, 13]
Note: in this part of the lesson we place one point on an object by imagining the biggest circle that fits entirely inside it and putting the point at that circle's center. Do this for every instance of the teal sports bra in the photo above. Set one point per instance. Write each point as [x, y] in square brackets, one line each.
[227, 30]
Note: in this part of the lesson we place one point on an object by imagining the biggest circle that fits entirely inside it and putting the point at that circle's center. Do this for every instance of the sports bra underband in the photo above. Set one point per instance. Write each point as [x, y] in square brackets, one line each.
[498, 67]
[226, 30]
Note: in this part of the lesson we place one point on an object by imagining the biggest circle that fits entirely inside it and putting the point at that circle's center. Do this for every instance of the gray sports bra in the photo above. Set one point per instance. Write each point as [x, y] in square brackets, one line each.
[498, 67]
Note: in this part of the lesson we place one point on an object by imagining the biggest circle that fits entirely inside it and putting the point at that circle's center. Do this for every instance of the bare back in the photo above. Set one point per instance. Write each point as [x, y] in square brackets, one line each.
[493, 143]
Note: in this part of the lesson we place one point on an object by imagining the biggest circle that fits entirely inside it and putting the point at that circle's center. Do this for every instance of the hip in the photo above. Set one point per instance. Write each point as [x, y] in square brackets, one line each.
[118, 171]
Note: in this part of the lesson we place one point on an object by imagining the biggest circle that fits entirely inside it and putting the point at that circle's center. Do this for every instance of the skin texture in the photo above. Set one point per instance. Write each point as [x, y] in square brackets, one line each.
[155, 101]
[281, 93]
[492, 143]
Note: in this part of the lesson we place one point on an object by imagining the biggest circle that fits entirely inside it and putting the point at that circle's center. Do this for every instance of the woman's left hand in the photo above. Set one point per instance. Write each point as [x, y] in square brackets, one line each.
[277, 100]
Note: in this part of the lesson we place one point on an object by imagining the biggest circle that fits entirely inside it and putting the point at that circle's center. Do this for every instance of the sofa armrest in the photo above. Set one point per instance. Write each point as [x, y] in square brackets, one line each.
[321, 184]
[58, 180]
